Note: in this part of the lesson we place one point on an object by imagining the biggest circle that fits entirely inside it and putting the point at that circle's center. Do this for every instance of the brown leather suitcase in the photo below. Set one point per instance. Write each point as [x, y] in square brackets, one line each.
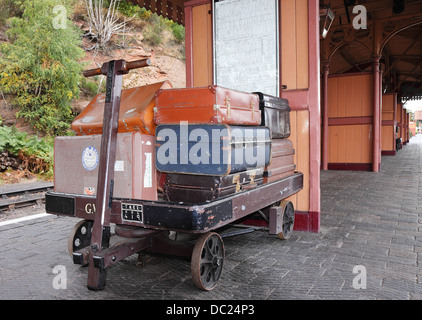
[282, 161]
[212, 104]
[199, 189]
[136, 111]
[275, 114]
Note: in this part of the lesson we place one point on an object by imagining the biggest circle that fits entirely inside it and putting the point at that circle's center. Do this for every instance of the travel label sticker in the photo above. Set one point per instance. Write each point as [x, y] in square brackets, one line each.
[90, 158]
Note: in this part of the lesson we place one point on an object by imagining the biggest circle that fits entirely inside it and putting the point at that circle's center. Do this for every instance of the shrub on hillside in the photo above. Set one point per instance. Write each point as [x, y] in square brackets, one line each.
[39, 67]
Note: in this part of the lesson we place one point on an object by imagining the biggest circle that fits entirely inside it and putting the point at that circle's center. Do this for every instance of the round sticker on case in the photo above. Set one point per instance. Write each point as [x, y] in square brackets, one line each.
[90, 158]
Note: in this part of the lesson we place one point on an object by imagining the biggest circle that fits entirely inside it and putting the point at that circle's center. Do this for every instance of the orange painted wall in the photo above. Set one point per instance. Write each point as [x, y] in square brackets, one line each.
[412, 127]
[350, 99]
[350, 144]
[388, 118]
[295, 75]
[299, 127]
[202, 45]
[387, 136]
[399, 119]
[294, 43]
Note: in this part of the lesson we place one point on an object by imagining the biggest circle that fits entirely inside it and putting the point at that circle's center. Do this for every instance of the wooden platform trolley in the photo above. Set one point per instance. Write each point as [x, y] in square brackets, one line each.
[151, 225]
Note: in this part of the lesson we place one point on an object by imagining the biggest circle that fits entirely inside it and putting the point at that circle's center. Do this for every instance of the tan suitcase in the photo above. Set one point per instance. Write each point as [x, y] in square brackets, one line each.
[76, 161]
[136, 111]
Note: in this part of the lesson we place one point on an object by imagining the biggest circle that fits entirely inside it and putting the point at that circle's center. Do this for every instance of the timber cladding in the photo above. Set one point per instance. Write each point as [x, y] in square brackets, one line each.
[294, 43]
[388, 120]
[350, 118]
[299, 72]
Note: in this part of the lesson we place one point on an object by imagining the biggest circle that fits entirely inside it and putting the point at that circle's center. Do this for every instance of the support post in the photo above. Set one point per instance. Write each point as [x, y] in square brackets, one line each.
[325, 66]
[376, 154]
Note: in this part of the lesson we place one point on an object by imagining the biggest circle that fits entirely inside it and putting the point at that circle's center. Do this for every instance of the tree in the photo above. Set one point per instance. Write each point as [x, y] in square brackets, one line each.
[39, 67]
[104, 23]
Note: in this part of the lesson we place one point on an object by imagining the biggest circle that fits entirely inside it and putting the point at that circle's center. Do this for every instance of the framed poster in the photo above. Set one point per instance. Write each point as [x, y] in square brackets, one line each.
[246, 45]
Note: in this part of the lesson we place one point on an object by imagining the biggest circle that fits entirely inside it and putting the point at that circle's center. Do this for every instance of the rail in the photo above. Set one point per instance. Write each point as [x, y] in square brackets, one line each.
[23, 196]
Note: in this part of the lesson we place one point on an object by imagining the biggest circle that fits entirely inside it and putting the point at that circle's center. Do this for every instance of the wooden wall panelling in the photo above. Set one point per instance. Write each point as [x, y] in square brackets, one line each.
[350, 119]
[202, 45]
[388, 124]
[294, 44]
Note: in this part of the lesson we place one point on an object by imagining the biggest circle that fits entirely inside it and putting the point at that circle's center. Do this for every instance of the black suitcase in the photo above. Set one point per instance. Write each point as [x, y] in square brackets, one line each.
[275, 114]
[199, 189]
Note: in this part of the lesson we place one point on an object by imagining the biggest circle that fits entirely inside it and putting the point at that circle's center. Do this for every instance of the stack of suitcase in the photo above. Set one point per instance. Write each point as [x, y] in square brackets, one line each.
[190, 145]
[213, 142]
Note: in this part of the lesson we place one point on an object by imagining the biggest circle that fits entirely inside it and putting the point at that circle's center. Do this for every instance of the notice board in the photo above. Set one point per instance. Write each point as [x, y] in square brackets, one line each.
[246, 45]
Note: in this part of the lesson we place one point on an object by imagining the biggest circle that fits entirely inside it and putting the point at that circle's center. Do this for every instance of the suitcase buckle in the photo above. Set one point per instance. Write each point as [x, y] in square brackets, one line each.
[252, 178]
[228, 106]
[236, 180]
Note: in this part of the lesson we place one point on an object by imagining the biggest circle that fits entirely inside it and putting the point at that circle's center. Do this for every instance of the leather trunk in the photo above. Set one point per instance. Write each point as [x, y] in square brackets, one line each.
[211, 149]
[199, 189]
[275, 114]
[136, 111]
[212, 104]
[76, 165]
[282, 161]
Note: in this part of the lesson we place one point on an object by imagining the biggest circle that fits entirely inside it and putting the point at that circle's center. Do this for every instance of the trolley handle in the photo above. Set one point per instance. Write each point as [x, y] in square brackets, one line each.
[142, 63]
[127, 65]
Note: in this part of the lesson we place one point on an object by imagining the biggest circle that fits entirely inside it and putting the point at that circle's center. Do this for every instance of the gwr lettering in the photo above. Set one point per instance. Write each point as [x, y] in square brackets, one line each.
[90, 208]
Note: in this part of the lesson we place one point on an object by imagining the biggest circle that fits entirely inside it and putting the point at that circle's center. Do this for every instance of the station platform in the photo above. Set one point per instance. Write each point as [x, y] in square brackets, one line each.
[369, 247]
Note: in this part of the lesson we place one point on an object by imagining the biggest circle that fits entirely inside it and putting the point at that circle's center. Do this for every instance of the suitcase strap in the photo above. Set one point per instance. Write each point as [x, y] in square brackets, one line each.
[228, 106]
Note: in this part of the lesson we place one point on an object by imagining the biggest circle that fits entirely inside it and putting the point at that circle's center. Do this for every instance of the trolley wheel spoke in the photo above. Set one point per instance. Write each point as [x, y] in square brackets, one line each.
[207, 261]
[288, 219]
[80, 236]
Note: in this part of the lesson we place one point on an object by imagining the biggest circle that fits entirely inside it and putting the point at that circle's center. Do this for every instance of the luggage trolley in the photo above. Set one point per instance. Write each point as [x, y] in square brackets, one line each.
[149, 226]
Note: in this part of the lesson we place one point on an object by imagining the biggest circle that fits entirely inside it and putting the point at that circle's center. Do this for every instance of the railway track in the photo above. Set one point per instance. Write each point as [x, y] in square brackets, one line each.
[13, 197]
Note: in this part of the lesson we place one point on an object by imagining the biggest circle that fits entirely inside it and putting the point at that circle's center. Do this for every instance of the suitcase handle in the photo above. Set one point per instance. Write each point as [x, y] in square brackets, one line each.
[127, 65]
[249, 186]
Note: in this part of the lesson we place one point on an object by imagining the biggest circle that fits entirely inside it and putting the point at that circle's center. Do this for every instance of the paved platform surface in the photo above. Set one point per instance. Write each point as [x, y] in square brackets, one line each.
[369, 247]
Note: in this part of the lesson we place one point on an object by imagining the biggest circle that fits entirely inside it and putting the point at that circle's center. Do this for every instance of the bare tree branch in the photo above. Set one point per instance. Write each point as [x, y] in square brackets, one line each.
[104, 23]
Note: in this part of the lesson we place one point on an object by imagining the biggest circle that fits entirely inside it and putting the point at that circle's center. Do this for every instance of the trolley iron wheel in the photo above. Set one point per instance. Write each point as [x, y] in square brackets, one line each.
[207, 261]
[80, 237]
[288, 219]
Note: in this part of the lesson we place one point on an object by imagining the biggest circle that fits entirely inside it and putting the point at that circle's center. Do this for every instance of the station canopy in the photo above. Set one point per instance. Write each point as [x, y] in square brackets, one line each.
[171, 9]
[400, 22]
[400, 28]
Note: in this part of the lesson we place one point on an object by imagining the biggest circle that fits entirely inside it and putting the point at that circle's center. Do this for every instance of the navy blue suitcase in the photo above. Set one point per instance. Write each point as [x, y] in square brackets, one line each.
[211, 149]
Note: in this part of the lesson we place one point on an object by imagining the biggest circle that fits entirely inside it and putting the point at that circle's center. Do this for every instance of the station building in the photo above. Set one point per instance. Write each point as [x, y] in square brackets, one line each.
[347, 67]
